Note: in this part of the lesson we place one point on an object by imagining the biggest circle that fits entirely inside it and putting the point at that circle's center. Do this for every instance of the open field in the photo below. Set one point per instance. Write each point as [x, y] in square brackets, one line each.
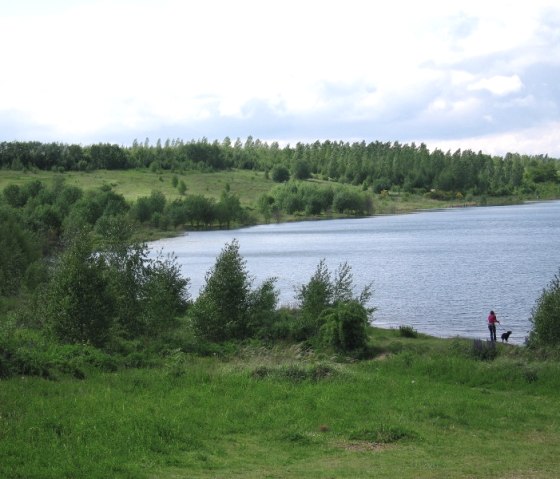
[248, 185]
[422, 408]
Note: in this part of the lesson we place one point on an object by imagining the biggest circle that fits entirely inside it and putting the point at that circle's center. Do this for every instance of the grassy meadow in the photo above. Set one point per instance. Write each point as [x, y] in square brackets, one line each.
[421, 408]
[134, 183]
[248, 185]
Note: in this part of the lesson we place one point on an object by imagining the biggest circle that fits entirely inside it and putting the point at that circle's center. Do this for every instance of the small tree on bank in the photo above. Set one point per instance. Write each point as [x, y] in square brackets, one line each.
[332, 293]
[345, 326]
[545, 316]
[227, 307]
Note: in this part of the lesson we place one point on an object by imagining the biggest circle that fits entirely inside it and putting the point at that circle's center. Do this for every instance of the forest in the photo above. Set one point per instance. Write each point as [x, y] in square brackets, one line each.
[376, 165]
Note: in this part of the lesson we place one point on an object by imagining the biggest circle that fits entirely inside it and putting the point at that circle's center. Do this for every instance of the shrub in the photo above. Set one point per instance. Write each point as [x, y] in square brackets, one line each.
[408, 332]
[280, 174]
[325, 291]
[484, 350]
[545, 317]
[78, 305]
[345, 326]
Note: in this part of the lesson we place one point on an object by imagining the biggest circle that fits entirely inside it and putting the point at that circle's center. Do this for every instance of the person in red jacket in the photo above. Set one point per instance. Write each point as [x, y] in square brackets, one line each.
[492, 320]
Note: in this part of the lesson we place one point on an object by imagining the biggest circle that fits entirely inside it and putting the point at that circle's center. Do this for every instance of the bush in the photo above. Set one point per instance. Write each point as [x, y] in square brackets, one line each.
[325, 291]
[545, 317]
[345, 326]
[408, 332]
[280, 174]
[484, 350]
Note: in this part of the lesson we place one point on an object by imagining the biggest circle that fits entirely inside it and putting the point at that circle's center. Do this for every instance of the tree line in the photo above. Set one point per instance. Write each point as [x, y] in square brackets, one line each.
[377, 165]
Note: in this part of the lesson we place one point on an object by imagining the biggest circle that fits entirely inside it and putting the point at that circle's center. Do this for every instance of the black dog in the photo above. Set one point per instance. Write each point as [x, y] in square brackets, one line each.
[505, 336]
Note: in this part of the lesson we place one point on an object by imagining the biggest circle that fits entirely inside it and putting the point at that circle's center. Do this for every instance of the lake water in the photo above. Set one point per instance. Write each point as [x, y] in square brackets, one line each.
[440, 272]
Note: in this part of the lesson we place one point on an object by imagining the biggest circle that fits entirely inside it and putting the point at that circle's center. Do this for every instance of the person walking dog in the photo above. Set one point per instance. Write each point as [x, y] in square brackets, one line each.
[492, 320]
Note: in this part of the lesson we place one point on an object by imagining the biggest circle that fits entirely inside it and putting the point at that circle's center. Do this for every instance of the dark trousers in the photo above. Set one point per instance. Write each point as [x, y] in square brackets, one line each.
[492, 328]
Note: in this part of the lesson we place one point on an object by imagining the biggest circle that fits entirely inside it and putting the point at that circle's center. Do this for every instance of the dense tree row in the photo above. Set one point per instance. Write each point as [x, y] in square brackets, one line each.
[295, 197]
[376, 164]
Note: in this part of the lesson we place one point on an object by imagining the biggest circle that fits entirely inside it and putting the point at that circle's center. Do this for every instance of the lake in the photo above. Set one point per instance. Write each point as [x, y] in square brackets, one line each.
[440, 272]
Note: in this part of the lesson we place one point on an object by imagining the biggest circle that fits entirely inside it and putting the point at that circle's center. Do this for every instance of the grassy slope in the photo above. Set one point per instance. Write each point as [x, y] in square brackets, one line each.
[423, 411]
[248, 185]
[132, 184]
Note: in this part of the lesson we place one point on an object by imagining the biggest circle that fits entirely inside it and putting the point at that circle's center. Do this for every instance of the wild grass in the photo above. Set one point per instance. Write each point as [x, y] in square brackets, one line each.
[422, 408]
[134, 183]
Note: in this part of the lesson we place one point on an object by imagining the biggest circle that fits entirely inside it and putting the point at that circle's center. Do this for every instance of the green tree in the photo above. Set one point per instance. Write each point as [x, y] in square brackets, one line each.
[314, 297]
[163, 294]
[15, 196]
[280, 174]
[78, 303]
[324, 291]
[227, 308]
[344, 326]
[19, 249]
[347, 201]
[301, 170]
[545, 317]
[228, 209]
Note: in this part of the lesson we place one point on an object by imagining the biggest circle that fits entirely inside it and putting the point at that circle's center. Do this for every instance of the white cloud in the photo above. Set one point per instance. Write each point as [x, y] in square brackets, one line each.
[541, 139]
[498, 85]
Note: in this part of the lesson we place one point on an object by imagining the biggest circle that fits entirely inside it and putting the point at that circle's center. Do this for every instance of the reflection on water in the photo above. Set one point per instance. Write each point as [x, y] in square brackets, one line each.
[438, 271]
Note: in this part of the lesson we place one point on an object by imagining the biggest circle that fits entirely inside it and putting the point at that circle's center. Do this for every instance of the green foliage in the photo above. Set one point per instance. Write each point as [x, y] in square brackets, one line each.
[545, 317]
[118, 291]
[27, 352]
[347, 201]
[227, 308]
[301, 170]
[182, 187]
[344, 326]
[544, 172]
[163, 295]
[483, 350]
[408, 332]
[280, 174]
[78, 303]
[19, 250]
[324, 291]
[14, 196]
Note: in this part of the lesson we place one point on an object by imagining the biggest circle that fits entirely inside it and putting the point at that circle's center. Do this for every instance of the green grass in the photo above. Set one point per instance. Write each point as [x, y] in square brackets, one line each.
[132, 184]
[421, 409]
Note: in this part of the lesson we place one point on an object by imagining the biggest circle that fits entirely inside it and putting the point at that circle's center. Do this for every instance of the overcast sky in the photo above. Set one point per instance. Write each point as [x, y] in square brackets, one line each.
[464, 74]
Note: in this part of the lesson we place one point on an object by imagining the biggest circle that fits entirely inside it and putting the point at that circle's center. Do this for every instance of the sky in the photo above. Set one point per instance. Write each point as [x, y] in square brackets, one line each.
[469, 74]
